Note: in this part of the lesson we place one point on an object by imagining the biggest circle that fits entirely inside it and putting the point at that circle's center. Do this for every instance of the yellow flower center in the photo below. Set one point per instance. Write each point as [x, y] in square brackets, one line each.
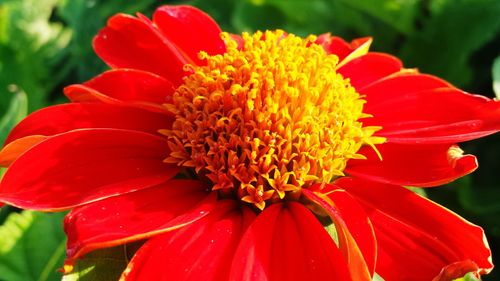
[266, 120]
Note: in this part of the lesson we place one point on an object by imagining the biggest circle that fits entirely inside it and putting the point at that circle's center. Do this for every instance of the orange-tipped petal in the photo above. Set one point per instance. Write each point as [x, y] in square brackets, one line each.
[13, 150]
[418, 239]
[83, 166]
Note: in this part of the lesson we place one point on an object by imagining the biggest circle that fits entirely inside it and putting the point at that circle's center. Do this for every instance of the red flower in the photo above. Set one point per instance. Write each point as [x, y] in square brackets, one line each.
[229, 154]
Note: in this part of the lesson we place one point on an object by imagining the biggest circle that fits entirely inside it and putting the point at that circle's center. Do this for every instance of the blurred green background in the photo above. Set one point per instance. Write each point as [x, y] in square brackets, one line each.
[46, 44]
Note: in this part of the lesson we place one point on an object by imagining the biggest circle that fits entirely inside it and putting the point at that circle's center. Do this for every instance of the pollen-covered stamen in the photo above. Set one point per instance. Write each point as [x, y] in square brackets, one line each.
[269, 119]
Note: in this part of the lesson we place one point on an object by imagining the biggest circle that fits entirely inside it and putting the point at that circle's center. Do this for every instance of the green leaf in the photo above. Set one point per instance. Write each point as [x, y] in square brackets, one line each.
[496, 77]
[32, 246]
[17, 110]
[103, 265]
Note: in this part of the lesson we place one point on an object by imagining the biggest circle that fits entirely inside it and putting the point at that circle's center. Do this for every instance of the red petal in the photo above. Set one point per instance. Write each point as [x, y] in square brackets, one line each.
[202, 250]
[412, 165]
[359, 42]
[83, 166]
[399, 84]
[354, 229]
[190, 29]
[360, 47]
[343, 50]
[135, 216]
[334, 45]
[67, 117]
[369, 68]
[133, 85]
[416, 237]
[83, 94]
[443, 115]
[239, 40]
[286, 242]
[129, 42]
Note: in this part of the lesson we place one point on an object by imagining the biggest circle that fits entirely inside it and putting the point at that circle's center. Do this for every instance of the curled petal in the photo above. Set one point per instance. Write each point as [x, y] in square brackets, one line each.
[286, 242]
[356, 237]
[418, 239]
[83, 166]
[135, 216]
[412, 165]
[202, 250]
[458, 270]
[190, 29]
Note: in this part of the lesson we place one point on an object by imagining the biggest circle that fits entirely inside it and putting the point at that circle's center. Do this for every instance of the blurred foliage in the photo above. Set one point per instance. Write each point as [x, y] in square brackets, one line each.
[32, 247]
[16, 111]
[46, 44]
[495, 72]
[31, 50]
